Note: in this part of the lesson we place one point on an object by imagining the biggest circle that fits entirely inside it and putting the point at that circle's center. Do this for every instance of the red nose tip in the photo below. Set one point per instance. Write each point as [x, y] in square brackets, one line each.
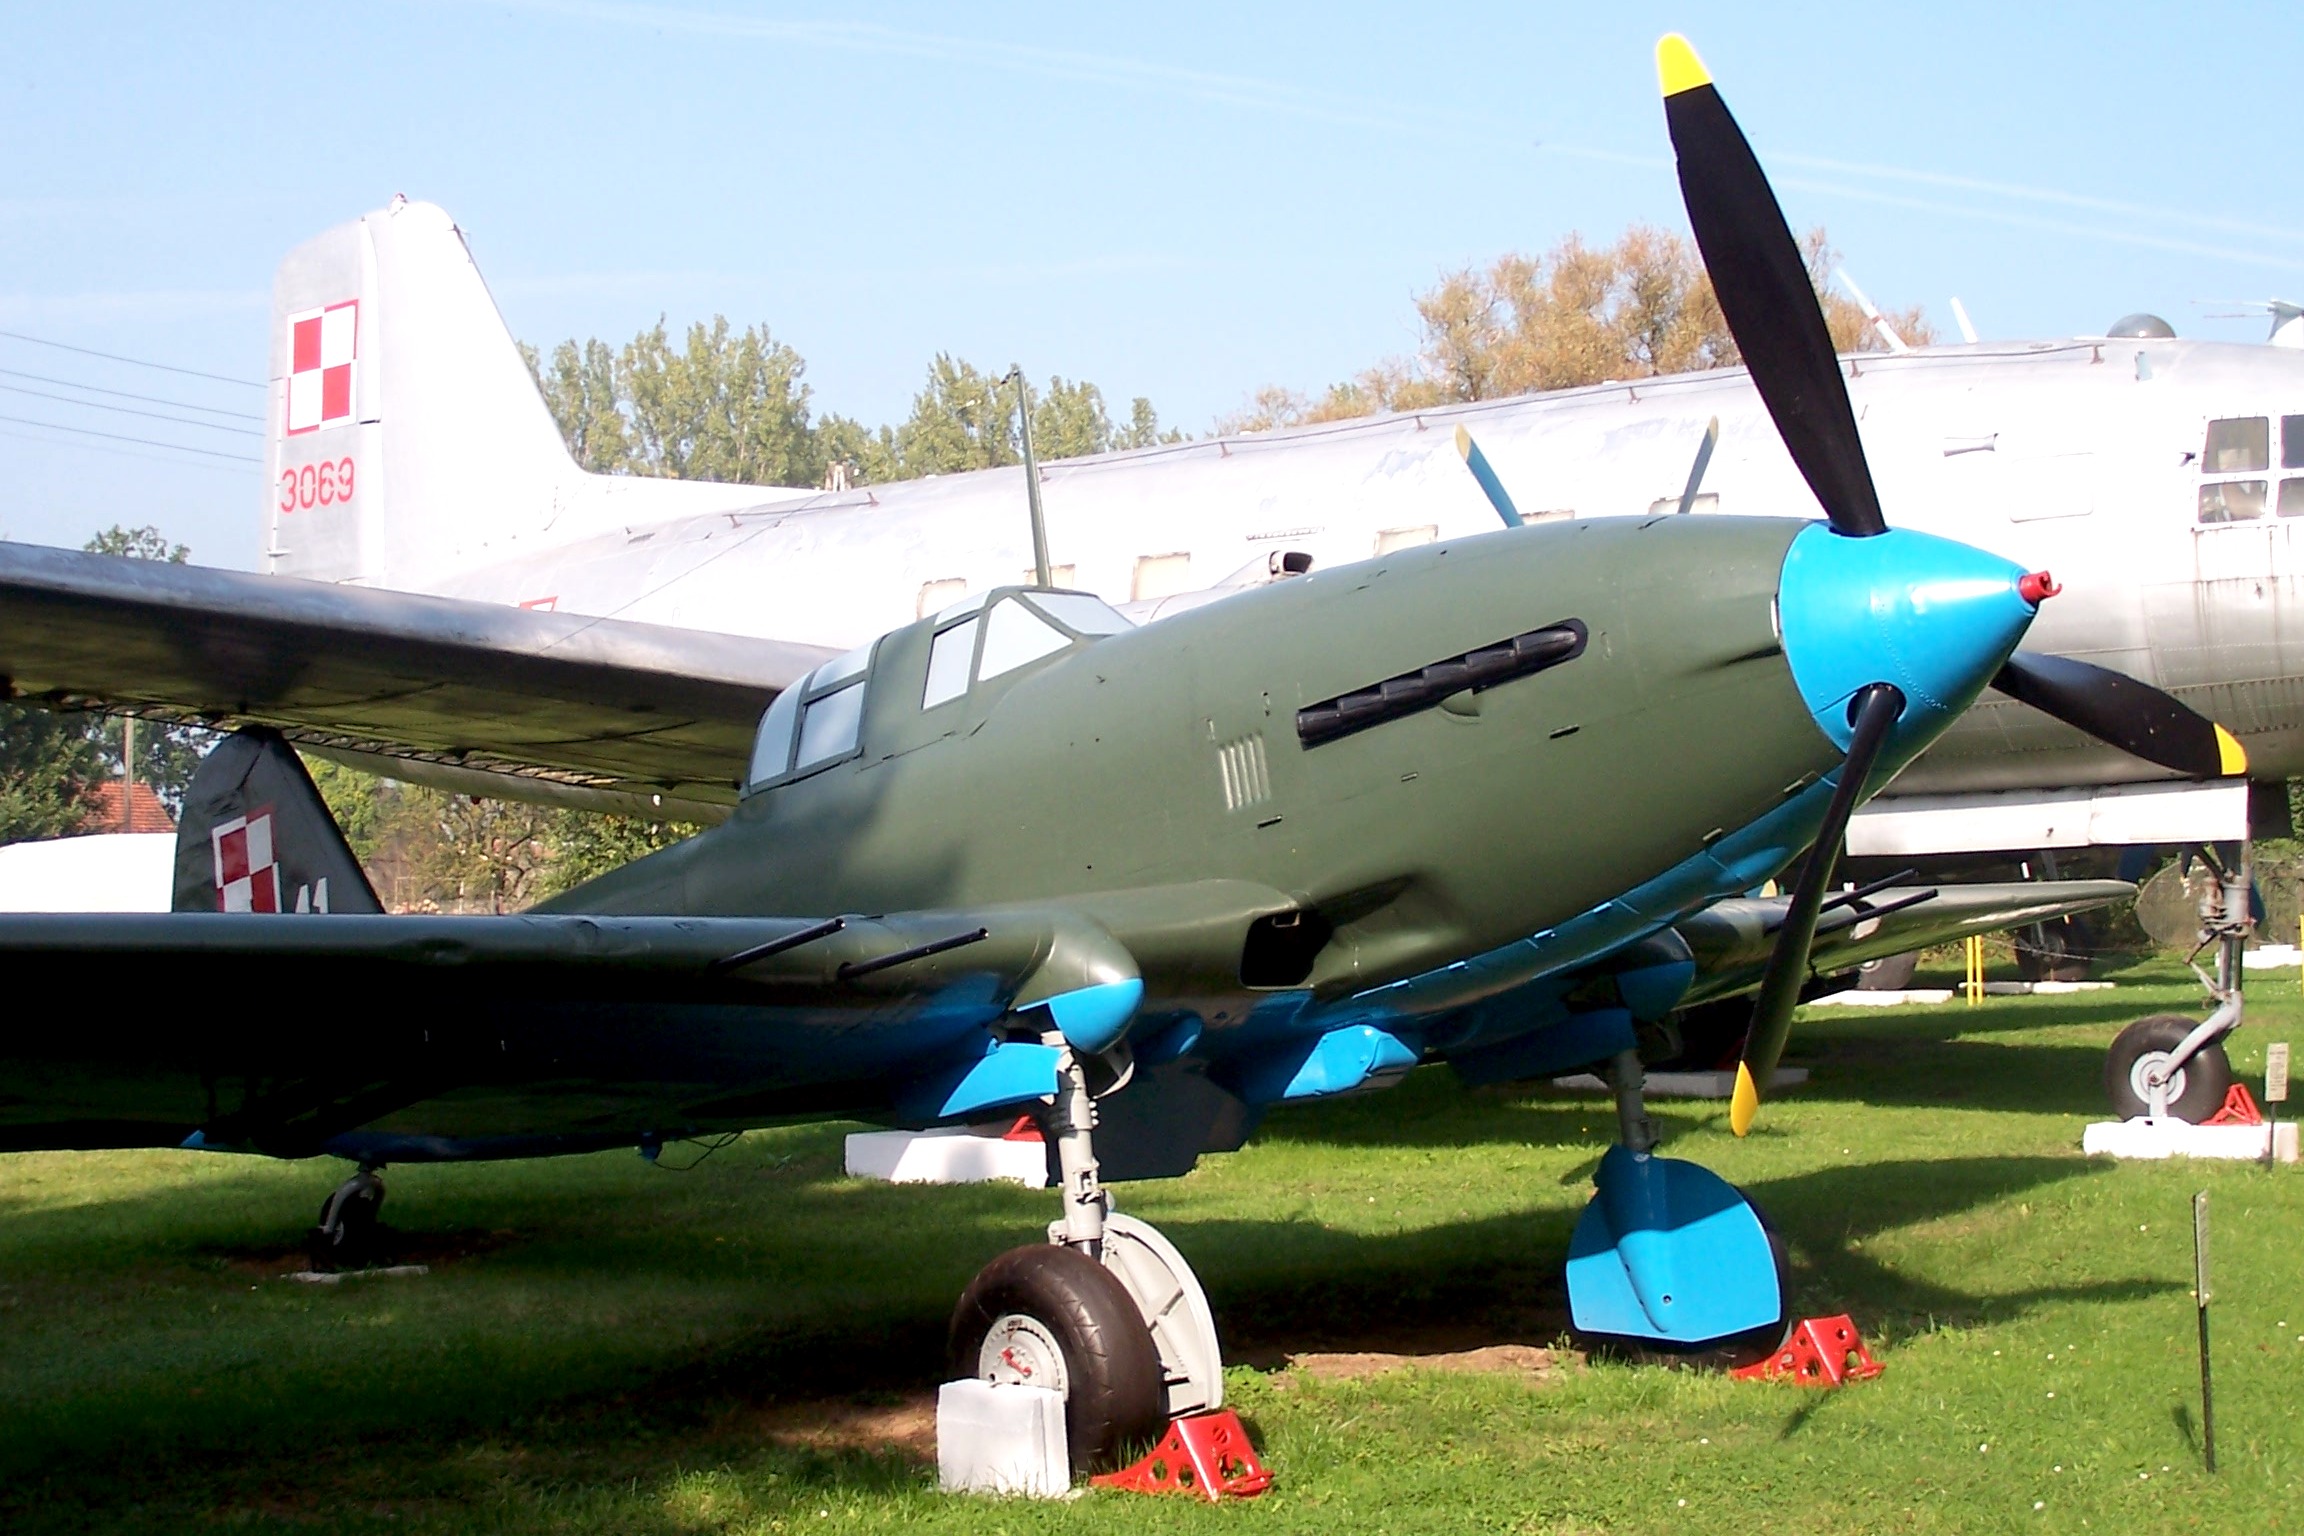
[2037, 588]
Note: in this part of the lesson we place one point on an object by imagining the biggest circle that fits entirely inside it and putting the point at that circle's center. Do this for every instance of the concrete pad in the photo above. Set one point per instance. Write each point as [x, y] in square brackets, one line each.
[2146, 1137]
[1855, 998]
[1006, 1439]
[954, 1155]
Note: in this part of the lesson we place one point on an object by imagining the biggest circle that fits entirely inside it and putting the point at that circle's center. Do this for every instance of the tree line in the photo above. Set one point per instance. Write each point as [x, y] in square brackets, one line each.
[735, 406]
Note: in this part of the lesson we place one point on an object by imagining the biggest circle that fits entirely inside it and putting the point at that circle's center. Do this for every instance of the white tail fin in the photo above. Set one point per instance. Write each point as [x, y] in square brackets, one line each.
[406, 436]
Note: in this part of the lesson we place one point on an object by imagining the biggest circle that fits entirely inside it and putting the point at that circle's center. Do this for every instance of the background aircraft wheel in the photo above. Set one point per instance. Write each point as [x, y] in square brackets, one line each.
[2194, 1093]
[1052, 1317]
[1728, 1354]
[349, 1235]
[1889, 973]
[2056, 951]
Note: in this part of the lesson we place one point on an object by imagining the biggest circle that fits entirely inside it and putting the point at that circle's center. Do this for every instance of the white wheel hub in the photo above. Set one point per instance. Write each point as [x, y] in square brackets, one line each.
[2152, 1067]
[1020, 1351]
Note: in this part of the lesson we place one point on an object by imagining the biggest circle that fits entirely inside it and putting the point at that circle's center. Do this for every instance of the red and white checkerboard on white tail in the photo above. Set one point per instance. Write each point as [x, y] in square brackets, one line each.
[323, 344]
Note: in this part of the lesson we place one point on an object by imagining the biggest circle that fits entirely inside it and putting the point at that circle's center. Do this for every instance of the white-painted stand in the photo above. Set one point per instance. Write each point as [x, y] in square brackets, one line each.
[1684, 1085]
[2146, 1137]
[1001, 1440]
[954, 1155]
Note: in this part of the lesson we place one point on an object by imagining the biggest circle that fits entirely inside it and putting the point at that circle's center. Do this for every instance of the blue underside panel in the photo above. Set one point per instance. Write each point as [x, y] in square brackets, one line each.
[1579, 1039]
[1670, 1252]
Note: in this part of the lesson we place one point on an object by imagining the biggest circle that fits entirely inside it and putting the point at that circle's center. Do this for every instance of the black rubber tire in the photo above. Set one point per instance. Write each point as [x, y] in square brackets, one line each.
[356, 1239]
[1116, 1406]
[1889, 973]
[2207, 1076]
[2058, 952]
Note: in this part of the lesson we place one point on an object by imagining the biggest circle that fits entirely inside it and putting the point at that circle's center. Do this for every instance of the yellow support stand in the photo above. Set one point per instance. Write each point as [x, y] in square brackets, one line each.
[1974, 985]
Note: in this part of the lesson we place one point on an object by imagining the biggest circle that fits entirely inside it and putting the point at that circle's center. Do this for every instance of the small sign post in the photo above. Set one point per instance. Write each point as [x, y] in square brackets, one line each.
[2275, 1094]
[2200, 1295]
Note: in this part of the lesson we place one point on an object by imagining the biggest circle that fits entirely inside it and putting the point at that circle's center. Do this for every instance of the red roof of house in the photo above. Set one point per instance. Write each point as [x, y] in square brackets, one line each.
[146, 813]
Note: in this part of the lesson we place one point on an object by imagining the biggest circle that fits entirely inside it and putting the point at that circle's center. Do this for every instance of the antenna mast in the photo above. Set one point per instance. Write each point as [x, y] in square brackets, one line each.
[1031, 478]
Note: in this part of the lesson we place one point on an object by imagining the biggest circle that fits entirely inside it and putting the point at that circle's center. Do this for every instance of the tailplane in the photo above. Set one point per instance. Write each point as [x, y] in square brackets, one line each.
[257, 837]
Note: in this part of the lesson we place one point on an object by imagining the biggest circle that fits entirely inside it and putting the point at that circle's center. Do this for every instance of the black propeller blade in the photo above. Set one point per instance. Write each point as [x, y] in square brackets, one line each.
[1764, 292]
[2115, 708]
[1876, 709]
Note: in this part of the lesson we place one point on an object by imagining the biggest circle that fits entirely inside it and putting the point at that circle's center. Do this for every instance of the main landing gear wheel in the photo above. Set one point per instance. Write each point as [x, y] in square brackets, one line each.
[1049, 1316]
[349, 1235]
[2196, 1089]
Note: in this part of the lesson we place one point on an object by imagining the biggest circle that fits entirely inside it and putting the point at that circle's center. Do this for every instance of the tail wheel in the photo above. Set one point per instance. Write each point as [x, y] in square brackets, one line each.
[349, 1234]
[1050, 1316]
[2196, 1090]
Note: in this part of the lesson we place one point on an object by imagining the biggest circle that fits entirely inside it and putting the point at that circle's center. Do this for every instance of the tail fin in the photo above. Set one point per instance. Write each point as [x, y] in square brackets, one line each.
[406, 434]
[257, 837]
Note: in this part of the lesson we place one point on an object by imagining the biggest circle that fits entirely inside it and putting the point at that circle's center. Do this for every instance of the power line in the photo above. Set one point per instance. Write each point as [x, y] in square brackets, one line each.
[123, 394]
[129, 410]
[114, 357]
[126, 453]
[149, 442]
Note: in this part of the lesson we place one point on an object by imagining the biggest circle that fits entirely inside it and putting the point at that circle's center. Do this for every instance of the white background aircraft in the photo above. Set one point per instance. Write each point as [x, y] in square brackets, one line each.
[2160, 479]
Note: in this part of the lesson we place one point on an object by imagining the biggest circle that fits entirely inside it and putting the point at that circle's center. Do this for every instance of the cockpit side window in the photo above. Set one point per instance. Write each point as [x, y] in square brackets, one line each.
[948, 657]
[2239, 445]
[1013, 636]
[1081, 612]
[2292, 442]
[772, 748]
[828, 726]
[823, 713]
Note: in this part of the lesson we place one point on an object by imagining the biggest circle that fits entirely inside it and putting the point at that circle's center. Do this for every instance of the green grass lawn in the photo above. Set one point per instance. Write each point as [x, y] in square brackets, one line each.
[605, 1346]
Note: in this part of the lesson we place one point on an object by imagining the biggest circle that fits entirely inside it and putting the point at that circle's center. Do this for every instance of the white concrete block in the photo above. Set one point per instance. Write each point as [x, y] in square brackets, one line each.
[955, 1155]
[1856, 997]
[1001, 1440]
[2272, 957]
[2146, 1137]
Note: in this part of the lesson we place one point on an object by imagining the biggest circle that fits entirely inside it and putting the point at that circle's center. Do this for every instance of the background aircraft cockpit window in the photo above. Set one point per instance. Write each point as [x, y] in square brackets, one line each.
[772, 748]
[2292, 497]
[2237, 445]
[1081, 613]
[829, 724]
[948, 657]
[2231, 501]
[1014, 635]
[2292, 442]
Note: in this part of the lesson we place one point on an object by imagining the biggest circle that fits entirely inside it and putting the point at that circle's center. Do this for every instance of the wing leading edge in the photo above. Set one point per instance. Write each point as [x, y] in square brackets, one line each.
[528, 704]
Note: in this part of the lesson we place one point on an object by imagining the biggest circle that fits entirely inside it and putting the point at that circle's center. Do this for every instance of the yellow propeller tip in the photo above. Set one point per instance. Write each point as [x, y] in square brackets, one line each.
[1464, 442]
[1677, 67]
[2232, 756]
[1745, 1103]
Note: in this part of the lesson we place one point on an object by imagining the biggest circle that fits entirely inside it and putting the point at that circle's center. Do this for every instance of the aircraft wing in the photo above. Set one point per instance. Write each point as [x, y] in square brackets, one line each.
[471, 696]
[429, 1037]
[1732, 939]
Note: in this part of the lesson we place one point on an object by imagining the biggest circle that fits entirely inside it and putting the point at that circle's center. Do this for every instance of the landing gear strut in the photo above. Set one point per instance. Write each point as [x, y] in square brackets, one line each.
[2167, 1065]
[1106, 1311]
[348, 1235]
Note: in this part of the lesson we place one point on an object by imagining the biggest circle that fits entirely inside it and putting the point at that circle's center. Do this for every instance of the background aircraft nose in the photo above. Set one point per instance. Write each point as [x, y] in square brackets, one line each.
[1934, 617]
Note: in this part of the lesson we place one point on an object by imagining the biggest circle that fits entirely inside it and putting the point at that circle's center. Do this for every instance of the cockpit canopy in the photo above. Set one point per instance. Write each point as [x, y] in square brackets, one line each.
[819, 720]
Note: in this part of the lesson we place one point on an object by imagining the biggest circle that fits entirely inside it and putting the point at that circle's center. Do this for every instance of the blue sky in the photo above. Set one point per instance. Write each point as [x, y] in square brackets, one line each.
[1183, 201]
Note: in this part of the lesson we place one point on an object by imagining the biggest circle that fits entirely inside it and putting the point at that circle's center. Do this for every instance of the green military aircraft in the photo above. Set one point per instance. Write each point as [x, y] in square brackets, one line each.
[1498, 802]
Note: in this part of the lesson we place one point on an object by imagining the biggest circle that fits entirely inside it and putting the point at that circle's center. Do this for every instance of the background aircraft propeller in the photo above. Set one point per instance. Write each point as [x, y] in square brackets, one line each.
[1477, 462]
[1770, 306]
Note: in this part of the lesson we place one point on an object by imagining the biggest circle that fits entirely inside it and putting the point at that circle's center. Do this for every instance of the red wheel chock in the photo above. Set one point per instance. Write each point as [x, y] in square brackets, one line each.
[1822, 1352]
[2239, 1108]
[1203, 1453]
